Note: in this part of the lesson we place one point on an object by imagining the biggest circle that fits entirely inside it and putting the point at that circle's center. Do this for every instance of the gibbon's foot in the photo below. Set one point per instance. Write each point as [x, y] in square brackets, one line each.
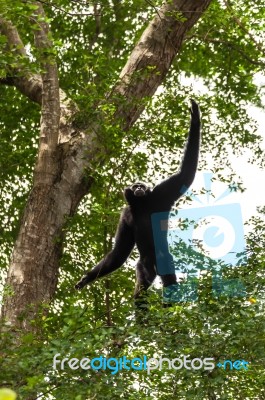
[172, 294]
[167, 305]
[142, 315]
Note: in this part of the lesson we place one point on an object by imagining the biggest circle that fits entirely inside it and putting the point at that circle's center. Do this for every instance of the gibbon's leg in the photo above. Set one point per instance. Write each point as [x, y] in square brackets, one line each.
[145, 276]
[168, 280]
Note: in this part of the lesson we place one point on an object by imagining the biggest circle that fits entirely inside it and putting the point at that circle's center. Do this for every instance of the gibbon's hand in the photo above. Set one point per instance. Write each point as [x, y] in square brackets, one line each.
[194, 110]
[83, 282]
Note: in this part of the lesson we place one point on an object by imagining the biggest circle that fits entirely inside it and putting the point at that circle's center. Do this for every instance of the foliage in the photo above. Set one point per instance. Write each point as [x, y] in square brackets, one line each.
[217, 65]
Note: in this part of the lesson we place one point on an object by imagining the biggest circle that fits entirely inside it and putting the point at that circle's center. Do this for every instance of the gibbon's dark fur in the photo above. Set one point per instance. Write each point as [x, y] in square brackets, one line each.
[135, 225]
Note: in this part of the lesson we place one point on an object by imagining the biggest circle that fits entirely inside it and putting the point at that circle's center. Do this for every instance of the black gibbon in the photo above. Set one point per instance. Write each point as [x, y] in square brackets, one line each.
[135, 226]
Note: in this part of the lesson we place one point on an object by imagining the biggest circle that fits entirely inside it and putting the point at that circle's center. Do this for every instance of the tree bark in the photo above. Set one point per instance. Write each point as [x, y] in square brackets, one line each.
[65, 152]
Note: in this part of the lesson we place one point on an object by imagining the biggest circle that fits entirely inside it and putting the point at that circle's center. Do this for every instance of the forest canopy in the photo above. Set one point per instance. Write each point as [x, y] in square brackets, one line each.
[93, 96]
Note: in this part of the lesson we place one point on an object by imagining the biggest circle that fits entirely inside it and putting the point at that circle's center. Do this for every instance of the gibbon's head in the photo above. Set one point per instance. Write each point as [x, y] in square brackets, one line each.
[138, 190]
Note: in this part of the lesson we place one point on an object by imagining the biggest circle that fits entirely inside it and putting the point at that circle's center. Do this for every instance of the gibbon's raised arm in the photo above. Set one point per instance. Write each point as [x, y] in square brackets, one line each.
[173, 187]
[191, 154]
[124, 243]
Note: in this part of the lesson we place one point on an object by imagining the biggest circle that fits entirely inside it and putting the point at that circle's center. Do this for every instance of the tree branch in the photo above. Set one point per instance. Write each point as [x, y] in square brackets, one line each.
[97, 16]
[50, 117]
[14, 41]
[152, 57]
[28, 84]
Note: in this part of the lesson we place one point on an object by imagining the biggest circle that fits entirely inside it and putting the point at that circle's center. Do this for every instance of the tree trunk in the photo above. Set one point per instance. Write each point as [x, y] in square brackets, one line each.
[65, 153]
[33, 272]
